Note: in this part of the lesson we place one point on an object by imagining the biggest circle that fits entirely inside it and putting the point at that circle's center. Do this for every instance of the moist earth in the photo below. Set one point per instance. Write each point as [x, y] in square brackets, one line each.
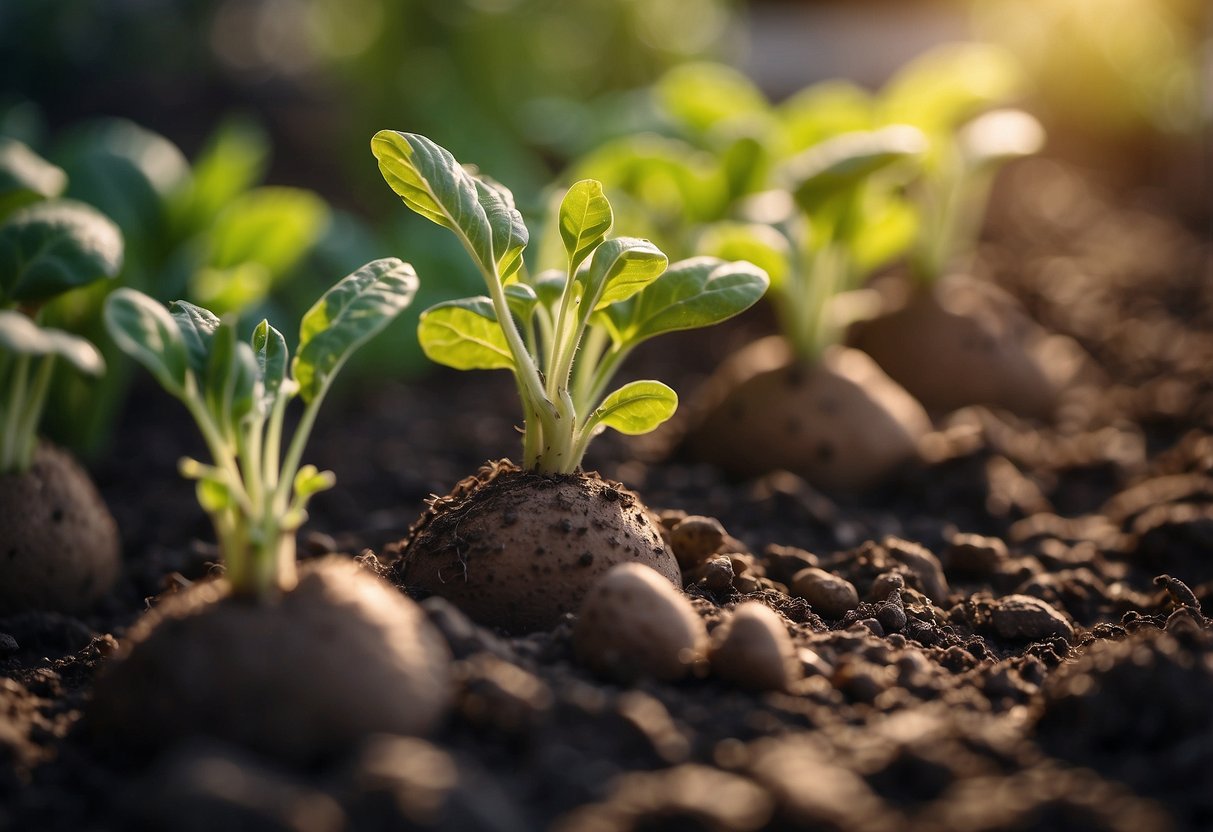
[1026, 646]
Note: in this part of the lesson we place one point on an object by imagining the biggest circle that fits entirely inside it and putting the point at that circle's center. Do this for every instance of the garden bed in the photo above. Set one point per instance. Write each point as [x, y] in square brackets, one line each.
[978, 709]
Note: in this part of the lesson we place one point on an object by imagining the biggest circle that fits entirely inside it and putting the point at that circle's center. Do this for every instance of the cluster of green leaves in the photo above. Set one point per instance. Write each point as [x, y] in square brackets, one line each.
[827, 186]
[238, 392]
[48, 247]
[564, 332]
[207, 231]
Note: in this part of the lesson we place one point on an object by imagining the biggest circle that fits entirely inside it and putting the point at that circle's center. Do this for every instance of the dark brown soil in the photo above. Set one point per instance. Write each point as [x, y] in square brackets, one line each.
[1013, 664]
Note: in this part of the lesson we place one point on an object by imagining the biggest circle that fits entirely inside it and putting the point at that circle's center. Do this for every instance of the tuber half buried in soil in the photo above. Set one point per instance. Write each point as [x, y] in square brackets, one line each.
[949, 339]
[296, 666]
[519, 547]
[802, 402]
[59, 545]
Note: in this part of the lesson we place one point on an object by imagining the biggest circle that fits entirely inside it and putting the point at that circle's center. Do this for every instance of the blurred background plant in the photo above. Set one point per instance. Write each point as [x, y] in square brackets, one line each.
[123, 94]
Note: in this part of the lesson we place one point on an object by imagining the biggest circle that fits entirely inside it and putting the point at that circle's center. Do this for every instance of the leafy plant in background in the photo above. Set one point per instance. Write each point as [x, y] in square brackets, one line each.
[255, 493]
[60, 541]
[48, 247]
[564, 335]
[208, 232]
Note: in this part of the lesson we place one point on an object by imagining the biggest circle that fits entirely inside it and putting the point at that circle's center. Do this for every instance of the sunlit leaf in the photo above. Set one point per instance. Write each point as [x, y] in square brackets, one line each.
[840, 164]
[348, 315]
[432, 183]
[585, 219]
[637, 407]
[620, 268]
[701, 95]
[464, 334]
[692, 293]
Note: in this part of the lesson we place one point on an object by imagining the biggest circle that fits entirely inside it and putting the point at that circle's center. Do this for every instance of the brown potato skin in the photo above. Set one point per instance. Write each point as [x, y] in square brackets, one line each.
[516, 550]
[842, 424]
[59, 547]
[965, 342]
[298, 678]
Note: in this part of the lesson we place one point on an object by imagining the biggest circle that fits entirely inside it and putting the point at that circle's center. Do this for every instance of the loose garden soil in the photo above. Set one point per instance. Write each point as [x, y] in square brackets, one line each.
[1039, 659]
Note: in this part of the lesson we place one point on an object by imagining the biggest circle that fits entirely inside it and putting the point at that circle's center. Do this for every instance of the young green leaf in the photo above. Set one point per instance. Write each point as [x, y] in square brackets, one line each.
[144, 330]
[509, 232]
[692, 293]
[837, 165]
[999, 136]
[231, 377]
[51, 247]
[464, 334]
[348, 314]
[273, 358]
[585, 219]
[311, 481]
[620, 268]
[700, 95]
[759, 243]
[433, 184]
[21, 336]
[637, 407]
[197, 326]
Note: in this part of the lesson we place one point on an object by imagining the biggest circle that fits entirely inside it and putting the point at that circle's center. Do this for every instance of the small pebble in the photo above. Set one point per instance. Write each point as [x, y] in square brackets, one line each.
[754, 651]
[973, 554]
[8, 645]
[695, 538]
[885, 583]
[829, 595]
[634, 623]
[1025, 617]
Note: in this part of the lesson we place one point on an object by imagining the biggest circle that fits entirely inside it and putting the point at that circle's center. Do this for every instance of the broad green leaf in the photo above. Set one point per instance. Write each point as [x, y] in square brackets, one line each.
[310, 481]
[999, 136]
[348, 315]
[701, 95]
[20, 335]
[197, 327]
[945, 87]
[620, 268]
[841, 164]
[585, 219]
[25, 176]
[231, 378]
[637, 407]
[430, 181]
[759, 243]
[509, 232]
[825, 110]
[258, 238]
[464, 334]
[692, 293]
[144, 330]
[232, 162]
[273, 359]
[51, 247]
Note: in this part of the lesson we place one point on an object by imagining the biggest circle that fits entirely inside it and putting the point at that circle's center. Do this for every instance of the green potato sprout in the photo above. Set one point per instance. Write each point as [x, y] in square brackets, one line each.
[564, 333]
[238, 392]
[48, 247]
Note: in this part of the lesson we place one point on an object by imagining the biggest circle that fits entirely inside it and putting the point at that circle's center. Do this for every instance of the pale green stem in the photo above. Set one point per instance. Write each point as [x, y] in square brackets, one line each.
[12, 418]
[27, 427]
[592, 348]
